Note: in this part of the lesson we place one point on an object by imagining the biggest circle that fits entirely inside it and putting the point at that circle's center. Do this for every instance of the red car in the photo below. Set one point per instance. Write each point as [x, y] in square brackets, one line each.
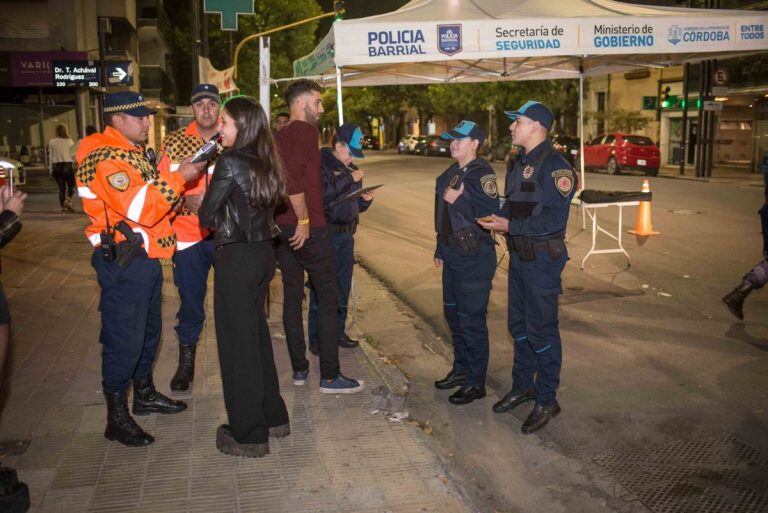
[618, 152]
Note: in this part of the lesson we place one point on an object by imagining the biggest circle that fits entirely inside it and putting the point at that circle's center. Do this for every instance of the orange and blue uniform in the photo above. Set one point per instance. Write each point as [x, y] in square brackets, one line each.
[194, 243]
[117, 182]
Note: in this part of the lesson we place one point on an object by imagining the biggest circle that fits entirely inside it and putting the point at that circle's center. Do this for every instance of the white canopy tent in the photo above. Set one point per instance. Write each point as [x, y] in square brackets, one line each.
[445, 41]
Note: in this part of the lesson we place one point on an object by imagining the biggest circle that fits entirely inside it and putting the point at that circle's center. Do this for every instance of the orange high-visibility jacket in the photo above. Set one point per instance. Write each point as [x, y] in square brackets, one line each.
[116, 181]
[177, 146]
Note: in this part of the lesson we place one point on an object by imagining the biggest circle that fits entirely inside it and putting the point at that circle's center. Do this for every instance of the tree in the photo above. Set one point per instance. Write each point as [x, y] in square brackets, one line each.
[286, 45]
[622, 120]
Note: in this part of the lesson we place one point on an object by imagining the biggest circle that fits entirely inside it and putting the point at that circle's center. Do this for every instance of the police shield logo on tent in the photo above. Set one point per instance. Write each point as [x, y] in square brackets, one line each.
[449, 39]
[674, 34]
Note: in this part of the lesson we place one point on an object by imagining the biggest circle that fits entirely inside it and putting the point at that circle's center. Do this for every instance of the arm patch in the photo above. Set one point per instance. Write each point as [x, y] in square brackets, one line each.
[119, 181]
[564, 181]
[488, 183]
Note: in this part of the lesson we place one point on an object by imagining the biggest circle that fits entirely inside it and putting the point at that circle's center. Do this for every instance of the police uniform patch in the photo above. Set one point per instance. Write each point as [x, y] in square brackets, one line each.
[119, 181]
[563, 181]
[528, 172]
[488, 183]
[453, 180]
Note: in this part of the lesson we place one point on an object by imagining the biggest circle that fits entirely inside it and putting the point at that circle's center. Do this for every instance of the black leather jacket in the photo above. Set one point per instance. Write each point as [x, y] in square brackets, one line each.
[227, 208]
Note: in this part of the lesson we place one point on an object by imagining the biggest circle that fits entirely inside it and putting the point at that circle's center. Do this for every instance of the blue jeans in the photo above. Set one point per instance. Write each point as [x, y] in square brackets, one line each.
[344, 248]
[467, 281]
[190, 275]
[131, 321]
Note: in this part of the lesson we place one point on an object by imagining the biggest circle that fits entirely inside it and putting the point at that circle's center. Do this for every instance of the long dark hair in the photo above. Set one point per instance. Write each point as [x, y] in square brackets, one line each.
[254, 139]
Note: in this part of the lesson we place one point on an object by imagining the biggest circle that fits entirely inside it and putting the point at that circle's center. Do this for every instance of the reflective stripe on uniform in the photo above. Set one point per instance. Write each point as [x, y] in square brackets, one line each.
[137, 204]
[85, 192]
[95, 239]
[181, 246]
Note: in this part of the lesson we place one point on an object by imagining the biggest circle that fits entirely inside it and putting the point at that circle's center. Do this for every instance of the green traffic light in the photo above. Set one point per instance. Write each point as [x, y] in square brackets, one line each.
[665, 104]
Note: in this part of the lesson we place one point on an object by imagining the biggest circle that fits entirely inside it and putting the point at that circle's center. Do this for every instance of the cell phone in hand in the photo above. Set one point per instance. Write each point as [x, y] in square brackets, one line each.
[207, 151]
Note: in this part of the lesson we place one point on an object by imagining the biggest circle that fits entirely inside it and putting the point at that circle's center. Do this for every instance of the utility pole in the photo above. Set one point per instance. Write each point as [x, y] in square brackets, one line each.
[194, 40]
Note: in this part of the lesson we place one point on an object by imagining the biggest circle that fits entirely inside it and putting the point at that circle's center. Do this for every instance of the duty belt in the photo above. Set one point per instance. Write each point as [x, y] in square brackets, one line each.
[527, 247]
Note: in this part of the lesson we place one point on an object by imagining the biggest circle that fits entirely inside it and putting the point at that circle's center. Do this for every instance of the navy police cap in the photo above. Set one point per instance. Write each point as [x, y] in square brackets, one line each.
[353, 136]
[127, 102]
[535, 111]
[201, 91]
[464, 130]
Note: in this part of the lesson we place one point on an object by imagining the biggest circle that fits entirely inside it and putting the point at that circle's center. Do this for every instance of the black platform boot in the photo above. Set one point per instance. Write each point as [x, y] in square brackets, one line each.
[734, 300]
[185, 374]
[120, 425]
[146, 399]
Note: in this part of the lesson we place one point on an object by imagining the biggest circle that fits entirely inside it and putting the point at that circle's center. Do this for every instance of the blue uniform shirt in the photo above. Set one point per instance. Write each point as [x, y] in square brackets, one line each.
[337, 182]
[538, 191]
[480, 198]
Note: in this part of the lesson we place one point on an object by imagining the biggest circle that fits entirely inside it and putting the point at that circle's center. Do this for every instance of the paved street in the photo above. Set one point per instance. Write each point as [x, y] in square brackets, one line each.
[338, 458]
[656, 371]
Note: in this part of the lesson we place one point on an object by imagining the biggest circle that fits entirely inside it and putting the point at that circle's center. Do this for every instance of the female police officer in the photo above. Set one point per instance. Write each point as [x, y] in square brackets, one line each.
[463, 193]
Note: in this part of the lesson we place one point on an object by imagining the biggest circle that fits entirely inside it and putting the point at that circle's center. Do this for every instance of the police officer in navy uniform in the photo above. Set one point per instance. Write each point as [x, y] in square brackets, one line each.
[538, 190]
[465, 192]
[340, 178]
[758, 276]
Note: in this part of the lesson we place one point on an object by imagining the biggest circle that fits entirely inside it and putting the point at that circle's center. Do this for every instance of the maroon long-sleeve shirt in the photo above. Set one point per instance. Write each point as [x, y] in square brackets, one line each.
[297, 144]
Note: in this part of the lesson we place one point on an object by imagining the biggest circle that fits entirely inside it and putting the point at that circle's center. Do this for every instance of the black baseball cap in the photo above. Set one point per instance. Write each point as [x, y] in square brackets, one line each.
[465, 129]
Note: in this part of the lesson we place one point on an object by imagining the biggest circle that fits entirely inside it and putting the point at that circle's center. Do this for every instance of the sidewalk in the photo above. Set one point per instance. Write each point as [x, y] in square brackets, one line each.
[339, 457]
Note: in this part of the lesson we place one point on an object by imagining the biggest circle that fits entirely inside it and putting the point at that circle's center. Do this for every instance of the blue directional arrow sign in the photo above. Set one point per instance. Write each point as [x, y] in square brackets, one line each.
[229, 9]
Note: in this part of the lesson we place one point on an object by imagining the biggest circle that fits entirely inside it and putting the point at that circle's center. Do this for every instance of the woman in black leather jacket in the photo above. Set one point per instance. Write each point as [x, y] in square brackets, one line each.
[246, 186]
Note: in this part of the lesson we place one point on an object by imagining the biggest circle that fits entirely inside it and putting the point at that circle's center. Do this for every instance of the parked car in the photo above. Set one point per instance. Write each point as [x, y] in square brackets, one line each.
[505, 151]
[567, 146]
[433, 145]
[402, 145]
[408, 143]
[371, 143]
[8, 166]
[618, 152]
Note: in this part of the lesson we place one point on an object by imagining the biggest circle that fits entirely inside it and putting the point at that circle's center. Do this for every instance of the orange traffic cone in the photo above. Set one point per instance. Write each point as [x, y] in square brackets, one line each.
[643, 228]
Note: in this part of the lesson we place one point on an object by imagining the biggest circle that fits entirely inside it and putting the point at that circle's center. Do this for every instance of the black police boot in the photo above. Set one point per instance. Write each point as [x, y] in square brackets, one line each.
[539, 417]
[14, 495]
[467, 394]
[452, 380]
[146, 399]
[514, 398]
[120, 425]
[185, 374]
[345, 341]
[734, 300]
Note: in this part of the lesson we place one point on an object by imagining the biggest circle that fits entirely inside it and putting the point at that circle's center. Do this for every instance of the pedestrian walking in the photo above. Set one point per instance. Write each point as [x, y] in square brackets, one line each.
[128, 201]
[538, 190]
[193, 258]
[239, 205]
[304, 243]
[465, 192]
[341, 177]
[758, 275]
[61, 167]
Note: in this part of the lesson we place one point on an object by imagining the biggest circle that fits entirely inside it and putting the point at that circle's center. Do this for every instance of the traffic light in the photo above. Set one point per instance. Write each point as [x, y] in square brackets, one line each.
[338, 8]
[665, 100]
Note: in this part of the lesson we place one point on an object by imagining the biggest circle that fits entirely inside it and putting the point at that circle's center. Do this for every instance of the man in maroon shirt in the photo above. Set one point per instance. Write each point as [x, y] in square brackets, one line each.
[304, 242]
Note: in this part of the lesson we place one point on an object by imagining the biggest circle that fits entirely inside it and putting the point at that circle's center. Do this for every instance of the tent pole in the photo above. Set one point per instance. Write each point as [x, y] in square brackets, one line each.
[582, 183]
[339, 97]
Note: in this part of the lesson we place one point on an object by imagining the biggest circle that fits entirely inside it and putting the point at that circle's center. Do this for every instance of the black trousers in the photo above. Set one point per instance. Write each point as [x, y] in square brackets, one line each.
[242, 272]
[64, 175]
[318, 259]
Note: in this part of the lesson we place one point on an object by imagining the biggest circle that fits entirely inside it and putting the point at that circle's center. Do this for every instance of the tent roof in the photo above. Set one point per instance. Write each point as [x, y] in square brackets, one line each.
[434, 41]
